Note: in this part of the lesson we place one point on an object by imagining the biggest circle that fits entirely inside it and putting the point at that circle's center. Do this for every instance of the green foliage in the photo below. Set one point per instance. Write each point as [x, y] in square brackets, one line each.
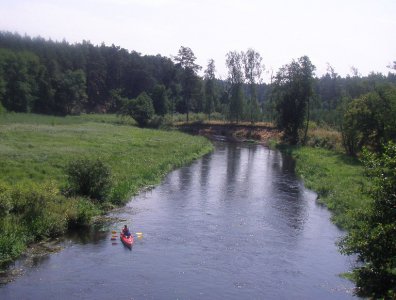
[160, 100]
[71, 92]
[324, 137]
[337, 178]
[293, 90]
[90, 178]
[45, 76]
[370, 120]
[252, 62]
[116, 100]
[34, 148]
[235, 79]
[185, 61]
[81, 212]
[160, 122]
[12, 240]
[140, 109]
[5, 200]
[55, 141]
[373, 237]
[2, 109]
[210, 88]
[33, 212]
[19, 72]
[237, 103]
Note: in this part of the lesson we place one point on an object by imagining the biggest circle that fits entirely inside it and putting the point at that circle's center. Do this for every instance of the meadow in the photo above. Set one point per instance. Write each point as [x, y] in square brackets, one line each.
[338, 180]
[36, 149]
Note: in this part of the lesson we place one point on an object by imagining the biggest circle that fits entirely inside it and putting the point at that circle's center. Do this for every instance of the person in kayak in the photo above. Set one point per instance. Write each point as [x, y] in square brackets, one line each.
[126, 231]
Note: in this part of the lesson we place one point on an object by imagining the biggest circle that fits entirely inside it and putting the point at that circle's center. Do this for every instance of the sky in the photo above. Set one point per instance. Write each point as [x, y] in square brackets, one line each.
[342, 33]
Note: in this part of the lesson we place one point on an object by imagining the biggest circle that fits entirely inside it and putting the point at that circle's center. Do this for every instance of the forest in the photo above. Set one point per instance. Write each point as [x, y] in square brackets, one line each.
[58, 78]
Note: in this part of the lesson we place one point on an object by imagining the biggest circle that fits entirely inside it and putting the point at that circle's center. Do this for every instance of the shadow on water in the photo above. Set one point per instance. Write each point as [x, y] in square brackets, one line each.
[88, 235]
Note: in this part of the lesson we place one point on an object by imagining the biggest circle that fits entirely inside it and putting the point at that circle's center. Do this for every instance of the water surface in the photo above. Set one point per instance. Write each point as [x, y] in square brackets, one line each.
[236, 224]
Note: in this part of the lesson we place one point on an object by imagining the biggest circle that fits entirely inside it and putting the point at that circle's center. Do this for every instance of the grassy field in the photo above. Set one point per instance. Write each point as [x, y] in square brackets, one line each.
[35, 149]
[337, 178]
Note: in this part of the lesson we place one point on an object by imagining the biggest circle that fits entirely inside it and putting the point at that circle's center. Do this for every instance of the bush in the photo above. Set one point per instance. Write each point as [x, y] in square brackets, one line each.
[89, 178]
[141, 109]
[373, 237]
[370, 120]
[12, 240]
[81, 212]
[160, 122]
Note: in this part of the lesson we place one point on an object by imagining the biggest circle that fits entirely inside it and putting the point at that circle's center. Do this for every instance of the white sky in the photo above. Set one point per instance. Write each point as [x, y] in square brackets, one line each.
[344, 33]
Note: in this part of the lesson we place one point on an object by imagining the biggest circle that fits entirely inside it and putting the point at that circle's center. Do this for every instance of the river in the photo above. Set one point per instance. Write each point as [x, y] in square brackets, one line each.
[236, 224]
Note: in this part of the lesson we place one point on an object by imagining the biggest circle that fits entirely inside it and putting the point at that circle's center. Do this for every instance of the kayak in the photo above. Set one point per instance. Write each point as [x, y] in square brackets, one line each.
[128, 241]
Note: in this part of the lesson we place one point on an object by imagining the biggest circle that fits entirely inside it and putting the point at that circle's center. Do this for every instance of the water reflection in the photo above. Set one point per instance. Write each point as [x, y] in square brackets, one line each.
[236, 224]
[88, 235]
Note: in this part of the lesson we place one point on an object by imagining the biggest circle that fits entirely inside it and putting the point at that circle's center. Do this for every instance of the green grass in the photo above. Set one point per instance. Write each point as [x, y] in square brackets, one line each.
[338, 180]
[35, 150]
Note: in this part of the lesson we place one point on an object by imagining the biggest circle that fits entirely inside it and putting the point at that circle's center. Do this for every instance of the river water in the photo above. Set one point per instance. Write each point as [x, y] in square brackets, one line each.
[236, 224]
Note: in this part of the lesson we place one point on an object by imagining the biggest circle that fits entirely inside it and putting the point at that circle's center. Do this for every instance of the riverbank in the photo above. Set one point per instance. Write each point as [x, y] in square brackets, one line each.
[261, 133]
[35, 149]
[337, 178]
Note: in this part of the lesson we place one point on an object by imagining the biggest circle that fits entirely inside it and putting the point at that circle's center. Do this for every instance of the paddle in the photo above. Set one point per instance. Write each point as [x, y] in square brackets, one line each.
[139, 235]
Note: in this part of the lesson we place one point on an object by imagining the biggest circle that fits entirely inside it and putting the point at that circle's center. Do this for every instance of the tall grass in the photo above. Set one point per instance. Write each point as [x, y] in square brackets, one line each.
[36, 148]
[34, 153]
[337, 178]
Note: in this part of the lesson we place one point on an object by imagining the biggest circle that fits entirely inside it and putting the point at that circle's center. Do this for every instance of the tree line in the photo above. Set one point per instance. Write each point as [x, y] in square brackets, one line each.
[43, 76]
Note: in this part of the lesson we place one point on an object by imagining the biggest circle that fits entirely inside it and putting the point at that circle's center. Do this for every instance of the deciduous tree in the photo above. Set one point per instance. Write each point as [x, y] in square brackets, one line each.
[293, 90]
[252, 63]
[141, 109]
[235, 79]
[210, 92]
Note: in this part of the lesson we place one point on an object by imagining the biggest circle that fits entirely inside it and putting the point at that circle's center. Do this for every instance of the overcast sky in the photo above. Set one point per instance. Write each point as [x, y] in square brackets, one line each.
[344, 33]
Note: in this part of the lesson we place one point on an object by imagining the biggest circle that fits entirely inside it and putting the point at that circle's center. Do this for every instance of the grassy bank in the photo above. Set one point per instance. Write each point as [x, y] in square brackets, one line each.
[34, 151]
[337, 179]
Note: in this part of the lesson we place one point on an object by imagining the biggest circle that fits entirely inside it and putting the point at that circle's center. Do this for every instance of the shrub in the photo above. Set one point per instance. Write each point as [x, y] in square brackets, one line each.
[81, 212]
[12, 240]
[141, 109]
[373, 237]
[89, 178]
[160, 122]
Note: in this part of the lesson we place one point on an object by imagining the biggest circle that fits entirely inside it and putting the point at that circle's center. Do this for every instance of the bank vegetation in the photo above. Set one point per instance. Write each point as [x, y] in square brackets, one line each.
[58, 173]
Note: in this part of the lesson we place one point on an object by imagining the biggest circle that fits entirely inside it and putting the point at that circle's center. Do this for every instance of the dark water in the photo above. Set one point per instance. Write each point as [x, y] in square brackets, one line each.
[236, 224]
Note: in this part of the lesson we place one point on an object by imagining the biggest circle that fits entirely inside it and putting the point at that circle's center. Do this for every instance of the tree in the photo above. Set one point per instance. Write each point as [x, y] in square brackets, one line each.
[373, 237]
[70, 94]
[253, 70]
[160, 99]
[210, 93]
[141, 109]
[185, 60]
[370, 120]
[235, 79]
[293, 90]
[96, 79]
[19, 84]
